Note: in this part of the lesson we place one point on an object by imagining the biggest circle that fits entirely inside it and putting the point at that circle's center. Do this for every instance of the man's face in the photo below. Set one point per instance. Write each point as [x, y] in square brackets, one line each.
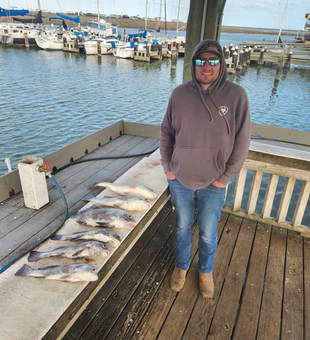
[206, 75]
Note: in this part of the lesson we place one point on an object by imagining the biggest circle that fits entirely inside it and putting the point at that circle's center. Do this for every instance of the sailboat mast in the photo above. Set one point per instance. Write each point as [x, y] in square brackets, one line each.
[282, 21]
[98, 17]
[78, 6]
[176, 34]
[146, 15]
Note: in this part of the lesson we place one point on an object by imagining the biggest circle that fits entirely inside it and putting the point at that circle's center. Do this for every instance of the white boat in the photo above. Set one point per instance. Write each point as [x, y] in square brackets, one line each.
[18, 34]
[127, 51]
[106, 45]
[104, 29]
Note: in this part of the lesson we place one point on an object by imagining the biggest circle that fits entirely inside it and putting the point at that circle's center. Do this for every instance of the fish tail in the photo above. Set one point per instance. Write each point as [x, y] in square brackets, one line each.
[24, 270]
[88, 197]
[93, 185]
[35, 256]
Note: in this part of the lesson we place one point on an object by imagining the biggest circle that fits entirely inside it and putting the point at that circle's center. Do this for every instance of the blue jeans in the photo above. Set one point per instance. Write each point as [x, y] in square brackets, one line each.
[208, 203]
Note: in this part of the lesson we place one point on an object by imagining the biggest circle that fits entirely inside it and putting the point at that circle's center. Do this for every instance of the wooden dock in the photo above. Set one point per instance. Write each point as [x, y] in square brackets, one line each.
[261, 272]
[262, 291]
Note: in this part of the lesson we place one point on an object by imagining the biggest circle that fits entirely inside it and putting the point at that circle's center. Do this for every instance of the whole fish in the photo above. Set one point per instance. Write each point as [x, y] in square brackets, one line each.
[126, 203]
[128, 190]
[101, 235]
[85, 249]
[70, 273]
[110, 218]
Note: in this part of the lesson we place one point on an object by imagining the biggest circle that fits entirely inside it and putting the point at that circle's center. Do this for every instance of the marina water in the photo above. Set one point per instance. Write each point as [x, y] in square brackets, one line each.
[52, 98]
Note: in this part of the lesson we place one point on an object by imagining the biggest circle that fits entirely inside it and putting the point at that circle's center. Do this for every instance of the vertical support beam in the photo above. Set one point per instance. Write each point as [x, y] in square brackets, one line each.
[301, 204]
[270, 194]
[285, 199]
[236, 205]
[257, 179]
[201, 26]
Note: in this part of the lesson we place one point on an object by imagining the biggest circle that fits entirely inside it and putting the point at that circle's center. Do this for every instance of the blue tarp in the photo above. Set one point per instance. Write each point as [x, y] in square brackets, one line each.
[11, 12]
[76, 19]
[138, 35]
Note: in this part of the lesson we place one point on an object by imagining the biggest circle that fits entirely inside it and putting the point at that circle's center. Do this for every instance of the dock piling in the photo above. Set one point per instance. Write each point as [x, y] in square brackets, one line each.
[288, 61]
[174, 60]
[261, 57]
[240, 62]
[279, 70]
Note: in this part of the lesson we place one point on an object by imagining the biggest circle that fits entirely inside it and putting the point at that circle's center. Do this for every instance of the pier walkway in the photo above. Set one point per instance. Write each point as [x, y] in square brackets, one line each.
[262, 267]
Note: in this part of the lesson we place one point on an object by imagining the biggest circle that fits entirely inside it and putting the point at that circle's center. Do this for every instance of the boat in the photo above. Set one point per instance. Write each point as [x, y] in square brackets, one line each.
[18, 34]
[127, 51]
[106, 45]
[10, 12]
[304, 36]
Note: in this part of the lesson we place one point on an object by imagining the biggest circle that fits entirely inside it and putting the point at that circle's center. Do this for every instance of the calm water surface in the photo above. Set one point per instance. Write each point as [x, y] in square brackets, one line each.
[52, 98]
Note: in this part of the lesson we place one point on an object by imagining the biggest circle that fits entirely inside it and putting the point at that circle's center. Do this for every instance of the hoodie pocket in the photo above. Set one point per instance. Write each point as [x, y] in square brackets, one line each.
[199, 163]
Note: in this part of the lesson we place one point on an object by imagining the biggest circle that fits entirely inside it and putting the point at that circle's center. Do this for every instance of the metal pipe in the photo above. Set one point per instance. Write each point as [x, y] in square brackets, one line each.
[204, 15]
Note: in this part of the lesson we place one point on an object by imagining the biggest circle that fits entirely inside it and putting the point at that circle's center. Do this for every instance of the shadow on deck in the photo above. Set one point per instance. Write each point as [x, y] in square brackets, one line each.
[261, 275]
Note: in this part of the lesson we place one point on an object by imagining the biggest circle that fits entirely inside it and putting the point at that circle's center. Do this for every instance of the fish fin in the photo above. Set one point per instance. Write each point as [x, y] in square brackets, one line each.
[81, 222]
[88, 197]
[35, 256]
[103, 224]
[57, 237]
[24, 270]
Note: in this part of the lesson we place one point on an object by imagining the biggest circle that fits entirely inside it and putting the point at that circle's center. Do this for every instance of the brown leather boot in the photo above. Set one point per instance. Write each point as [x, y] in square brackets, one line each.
[177, 279]
[206, 285]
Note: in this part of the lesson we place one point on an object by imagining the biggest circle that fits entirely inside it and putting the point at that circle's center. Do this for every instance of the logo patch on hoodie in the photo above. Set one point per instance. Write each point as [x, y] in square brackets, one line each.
[223, 110]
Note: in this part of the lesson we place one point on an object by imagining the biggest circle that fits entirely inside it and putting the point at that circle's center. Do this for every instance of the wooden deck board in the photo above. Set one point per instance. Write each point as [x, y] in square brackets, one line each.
[252, 265]
[23, 229]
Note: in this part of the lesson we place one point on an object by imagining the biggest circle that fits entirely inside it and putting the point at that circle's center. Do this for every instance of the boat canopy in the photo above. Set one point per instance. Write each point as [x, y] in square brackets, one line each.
[11, 12]
[36, 20]
[76, 19]
[138, 35]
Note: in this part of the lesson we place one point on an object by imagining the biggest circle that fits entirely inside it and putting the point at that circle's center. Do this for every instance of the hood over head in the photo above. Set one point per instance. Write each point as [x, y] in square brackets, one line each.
[214, 47]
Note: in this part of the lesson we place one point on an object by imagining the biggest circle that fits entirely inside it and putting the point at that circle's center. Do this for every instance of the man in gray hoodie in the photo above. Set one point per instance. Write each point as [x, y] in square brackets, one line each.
[205, 138]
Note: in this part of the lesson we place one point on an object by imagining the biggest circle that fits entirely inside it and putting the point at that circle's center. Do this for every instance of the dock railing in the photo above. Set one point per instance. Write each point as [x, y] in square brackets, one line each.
[285, 176]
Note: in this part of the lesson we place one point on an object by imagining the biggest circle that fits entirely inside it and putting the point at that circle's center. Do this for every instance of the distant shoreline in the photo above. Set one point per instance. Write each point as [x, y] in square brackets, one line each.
[170, 26]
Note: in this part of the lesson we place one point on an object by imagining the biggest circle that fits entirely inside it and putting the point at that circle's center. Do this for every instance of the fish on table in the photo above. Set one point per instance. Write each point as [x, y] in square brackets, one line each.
[100, 217]
[100, 235]
[68, 273]
[128, 190]
[85, 249]
[125, 203]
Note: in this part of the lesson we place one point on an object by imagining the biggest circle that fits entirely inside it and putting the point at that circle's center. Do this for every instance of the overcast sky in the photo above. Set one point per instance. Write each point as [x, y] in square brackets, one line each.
[244, 13]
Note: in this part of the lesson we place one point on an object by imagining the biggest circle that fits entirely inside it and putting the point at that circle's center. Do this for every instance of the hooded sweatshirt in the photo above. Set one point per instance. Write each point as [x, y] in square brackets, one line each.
[205, 135]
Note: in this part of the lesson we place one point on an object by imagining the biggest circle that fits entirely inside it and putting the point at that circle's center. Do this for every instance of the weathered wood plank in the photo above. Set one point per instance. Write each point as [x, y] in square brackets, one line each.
[199, 323]
[62, 156]
[143, 130]
[246, 325]
[285, 199]
[27, 233]
[99, 299]
[240, 183]
[68, 179]
[106, 317]
[270, 317]
[301, 204]
[226, 311]
[156, 315]
[292, 314]
[253, 196]
[306, 262]
[270, 194]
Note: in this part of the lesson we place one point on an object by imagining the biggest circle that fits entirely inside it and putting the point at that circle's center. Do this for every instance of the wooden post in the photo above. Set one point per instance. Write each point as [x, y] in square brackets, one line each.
[230, 47]
[279, 70]
[226, 53]
[241, 55]
[75, 43]
[245, 57]
[232, 51]
[174, 60]
[261, 58]
[232, 67]
[289, 58]
[26, 41]
[99, 47]
[249, 56]
[169, 46]
[64, 40]
[160, 50]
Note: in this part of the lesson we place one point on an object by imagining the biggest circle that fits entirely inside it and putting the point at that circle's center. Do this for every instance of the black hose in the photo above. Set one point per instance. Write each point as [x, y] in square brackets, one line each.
[100, 159]
[47, 237]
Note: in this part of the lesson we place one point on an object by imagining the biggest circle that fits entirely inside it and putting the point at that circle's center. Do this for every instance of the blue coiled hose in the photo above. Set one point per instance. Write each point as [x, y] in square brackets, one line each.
[47, 237]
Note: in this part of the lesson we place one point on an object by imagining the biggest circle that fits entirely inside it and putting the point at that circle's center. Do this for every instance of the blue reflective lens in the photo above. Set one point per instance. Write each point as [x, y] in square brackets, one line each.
[212, 61]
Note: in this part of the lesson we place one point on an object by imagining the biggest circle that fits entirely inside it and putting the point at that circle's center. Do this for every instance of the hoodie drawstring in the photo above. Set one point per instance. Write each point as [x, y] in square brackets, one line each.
[206, 106]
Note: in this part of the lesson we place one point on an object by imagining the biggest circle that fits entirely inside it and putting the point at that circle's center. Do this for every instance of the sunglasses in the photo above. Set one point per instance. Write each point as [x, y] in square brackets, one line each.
[212, 61]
